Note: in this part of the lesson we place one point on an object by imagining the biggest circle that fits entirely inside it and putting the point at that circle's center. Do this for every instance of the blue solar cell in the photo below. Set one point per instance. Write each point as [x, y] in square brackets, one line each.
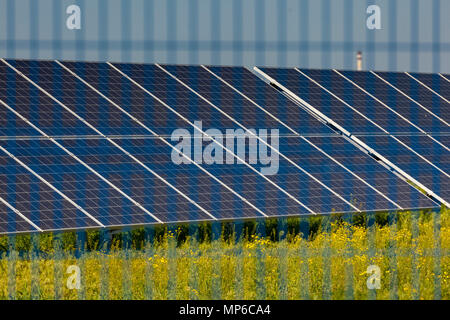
[441, 85]
[420, 93]
[361, 102]
[238, 177]
[244, 175]
[373, 173]
[324, 102]
[32, 197]
[76, 182]
[231, 102]
[32, 103]
[433, 152]
[429, 176]
[193, 189]
[334, 175]
[396, 101]
[188, 179]
[366, 106]
[127, 95]
[311, 159]
[180, 98]
[10, 222]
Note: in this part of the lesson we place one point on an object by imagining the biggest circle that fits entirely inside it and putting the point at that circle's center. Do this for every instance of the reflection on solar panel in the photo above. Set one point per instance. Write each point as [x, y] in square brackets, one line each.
[88, 145]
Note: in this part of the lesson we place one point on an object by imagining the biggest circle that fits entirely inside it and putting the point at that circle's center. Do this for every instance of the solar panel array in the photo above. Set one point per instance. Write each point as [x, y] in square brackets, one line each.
[88, 145]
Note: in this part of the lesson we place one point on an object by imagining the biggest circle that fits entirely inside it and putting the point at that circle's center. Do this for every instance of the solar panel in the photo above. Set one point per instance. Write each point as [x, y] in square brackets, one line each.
[344, 97]
[383, 86]
[326, 103]
[89, 145]
[430, 94]
[409, 162]
[439, 84]
[11, 222]
[319, 200]
[354, 100]
[418, 93]
[312, 156]
[373, 173]
[34, 198]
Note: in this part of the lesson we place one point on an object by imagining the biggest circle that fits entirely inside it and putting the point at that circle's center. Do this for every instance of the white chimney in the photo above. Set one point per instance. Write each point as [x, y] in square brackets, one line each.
[359, 61]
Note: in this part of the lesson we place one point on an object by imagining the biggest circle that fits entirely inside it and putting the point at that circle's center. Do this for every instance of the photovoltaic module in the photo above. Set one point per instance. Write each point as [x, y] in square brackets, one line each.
[88, 145]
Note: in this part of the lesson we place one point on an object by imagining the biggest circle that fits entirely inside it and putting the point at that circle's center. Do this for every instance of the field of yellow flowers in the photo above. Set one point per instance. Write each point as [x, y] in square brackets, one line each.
[412, 255]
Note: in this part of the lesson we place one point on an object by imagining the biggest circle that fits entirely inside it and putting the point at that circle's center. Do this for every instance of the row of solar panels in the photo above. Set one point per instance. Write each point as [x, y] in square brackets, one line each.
[88, 144]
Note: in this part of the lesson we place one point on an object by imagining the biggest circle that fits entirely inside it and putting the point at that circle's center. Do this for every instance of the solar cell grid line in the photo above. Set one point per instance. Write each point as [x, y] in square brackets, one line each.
[207, 189]
[68, 152]
[444, 77]
[407, 161]
[352, 138]
[444, 83]
[22, 164]
[437, 84]
[119, 147]
[73, 179]
[127, 175]
[180, 183]
[366, 115]
[261, 140]
[242, 161]
[246, 209]
[162, 139]
[15, 90]
[370, 170]
[388, 97]
[36, 200]
[251, 89]
[433, 152]
[403, 85]
[297, 134]
[66, 95]
[327, 104]
[268, 183]
[423, 156]
[246, 184]
[12, 220]
[330, 173]
[430, 89]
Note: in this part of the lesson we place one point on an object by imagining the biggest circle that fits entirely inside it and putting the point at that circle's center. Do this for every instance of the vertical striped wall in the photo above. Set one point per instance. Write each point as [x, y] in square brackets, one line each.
[415, 35]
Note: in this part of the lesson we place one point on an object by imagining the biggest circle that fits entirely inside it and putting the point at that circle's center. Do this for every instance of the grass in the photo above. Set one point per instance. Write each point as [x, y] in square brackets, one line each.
[329, 263]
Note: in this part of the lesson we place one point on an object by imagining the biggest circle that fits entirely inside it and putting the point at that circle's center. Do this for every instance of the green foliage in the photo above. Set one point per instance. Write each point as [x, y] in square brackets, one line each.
[269, 228]
[184, 263]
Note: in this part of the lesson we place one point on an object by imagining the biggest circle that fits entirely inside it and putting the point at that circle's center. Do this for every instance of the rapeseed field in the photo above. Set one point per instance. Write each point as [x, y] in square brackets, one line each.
[333, 262]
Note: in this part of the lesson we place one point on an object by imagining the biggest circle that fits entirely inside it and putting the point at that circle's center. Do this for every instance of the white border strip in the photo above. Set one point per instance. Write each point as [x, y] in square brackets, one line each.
[20, 214]
[297, 134]
[160, 138]
[412, 100]
[212, 139]
[51, 186]
[357, 142]
[367, 118]
[117, 146]
[444, 77]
